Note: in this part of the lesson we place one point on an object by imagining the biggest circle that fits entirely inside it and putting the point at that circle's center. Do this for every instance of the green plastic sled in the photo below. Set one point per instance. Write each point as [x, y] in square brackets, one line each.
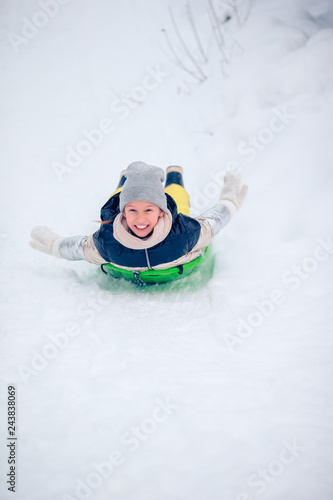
[157, 276]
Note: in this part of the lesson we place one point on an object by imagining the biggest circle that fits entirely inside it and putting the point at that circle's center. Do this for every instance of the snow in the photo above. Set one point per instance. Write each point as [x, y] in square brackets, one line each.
[214, 387]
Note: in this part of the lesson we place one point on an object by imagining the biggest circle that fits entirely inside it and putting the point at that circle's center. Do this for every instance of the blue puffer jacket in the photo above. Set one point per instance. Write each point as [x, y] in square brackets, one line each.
[182, 238]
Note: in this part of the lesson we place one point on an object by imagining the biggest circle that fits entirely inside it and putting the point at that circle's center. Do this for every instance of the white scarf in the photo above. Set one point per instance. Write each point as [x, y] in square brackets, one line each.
[122, 233]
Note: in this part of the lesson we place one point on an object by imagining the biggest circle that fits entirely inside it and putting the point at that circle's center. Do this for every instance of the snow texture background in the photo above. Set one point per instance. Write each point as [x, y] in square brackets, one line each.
[215, 387]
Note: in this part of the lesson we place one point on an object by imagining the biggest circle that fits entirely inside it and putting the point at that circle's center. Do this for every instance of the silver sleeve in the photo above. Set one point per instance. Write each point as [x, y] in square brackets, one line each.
[218, 217]
[72, 248]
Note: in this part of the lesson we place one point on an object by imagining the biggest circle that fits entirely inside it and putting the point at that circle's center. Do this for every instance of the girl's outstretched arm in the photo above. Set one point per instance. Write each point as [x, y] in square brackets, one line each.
[231, 198]
[46, 241]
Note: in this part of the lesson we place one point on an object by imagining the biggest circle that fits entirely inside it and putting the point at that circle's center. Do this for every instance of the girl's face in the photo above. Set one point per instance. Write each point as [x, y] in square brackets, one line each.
[142, 217]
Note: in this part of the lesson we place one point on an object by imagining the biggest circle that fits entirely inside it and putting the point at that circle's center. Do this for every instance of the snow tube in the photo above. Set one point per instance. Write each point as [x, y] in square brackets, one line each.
[157, 276]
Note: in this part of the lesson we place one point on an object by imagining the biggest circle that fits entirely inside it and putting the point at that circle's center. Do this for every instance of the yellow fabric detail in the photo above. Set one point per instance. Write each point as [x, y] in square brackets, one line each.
[117, 191]
[181, 197]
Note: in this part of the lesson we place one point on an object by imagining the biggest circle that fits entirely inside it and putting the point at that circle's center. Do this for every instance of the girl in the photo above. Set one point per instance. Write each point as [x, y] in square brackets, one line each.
[146, 225]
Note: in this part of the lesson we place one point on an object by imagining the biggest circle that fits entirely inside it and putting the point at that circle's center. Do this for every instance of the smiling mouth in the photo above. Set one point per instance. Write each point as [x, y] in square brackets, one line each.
[142, 228]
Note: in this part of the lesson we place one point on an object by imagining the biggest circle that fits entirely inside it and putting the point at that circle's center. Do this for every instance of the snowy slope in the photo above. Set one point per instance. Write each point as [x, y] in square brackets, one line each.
[215, 387]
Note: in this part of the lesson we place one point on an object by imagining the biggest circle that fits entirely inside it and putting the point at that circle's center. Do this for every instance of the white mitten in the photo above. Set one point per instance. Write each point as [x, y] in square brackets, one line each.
[233, 193]
[45, 241]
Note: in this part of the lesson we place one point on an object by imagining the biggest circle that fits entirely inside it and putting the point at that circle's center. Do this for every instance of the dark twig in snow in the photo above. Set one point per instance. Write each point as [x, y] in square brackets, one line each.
[237, 12]
[189, 13]
[216, 35]
[230, 33]
[248, 11]
[187, 51]
[179, 62]
[234, 7]
[216, 20]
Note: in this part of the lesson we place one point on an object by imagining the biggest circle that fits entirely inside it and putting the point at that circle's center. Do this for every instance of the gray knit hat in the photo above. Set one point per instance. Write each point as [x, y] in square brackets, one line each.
[145, 183]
